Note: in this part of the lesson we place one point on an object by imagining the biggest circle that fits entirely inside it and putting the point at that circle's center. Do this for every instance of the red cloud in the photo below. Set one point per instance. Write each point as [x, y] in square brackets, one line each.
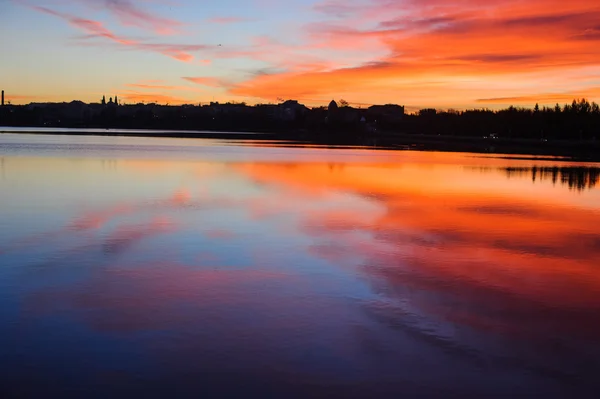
[449, 42]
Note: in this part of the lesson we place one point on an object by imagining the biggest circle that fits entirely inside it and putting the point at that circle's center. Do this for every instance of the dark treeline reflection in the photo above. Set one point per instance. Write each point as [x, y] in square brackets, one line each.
[577, 178]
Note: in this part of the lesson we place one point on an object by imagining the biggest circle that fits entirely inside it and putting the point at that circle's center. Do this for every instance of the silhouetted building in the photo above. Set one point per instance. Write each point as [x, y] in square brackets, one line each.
[332, 106]
[388, 110]
[2, 98]
[110, 101]
[428, 112]
[332, 112]
[289, 110]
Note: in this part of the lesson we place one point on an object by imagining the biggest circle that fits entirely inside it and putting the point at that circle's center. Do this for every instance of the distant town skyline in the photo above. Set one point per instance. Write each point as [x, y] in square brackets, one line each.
[435, 53]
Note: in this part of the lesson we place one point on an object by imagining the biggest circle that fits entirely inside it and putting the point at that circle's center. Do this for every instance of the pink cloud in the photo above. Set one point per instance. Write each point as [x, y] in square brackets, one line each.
[95, 29]
[205, 81]
[129, 13]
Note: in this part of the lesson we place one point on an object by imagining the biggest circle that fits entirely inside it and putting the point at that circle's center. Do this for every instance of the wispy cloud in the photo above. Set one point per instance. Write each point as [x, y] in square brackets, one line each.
[136, 96]
[91, 27]
[134, 13]
[592, 92]
[95, 29]
[130, 13]
[206, 81]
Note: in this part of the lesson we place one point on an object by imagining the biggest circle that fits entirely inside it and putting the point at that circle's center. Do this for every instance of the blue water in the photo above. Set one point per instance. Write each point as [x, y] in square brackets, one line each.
[161, 267]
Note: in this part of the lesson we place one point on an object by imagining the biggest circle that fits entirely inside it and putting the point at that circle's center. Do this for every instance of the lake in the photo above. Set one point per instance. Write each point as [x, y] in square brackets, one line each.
[161, 267]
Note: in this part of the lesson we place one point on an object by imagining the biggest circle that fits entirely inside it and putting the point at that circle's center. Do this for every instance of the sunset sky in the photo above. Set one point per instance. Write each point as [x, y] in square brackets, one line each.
[420, 53]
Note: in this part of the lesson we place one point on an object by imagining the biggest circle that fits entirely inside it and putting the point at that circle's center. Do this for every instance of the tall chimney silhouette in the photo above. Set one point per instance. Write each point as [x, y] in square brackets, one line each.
[3, 98]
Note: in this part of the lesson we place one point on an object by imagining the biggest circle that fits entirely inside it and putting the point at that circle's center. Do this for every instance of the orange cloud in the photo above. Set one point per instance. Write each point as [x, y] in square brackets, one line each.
[152, 97]
[449, 42]
[592, 92]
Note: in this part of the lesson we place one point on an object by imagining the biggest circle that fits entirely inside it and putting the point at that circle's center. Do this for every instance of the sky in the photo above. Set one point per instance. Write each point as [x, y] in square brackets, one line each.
[419, 53]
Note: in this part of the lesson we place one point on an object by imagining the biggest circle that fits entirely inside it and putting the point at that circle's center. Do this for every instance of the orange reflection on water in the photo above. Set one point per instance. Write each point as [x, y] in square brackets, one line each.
[451, 231]
[433, 254]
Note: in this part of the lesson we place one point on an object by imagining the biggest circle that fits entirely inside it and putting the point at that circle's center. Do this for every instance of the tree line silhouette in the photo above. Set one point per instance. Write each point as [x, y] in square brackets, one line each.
[578, 121]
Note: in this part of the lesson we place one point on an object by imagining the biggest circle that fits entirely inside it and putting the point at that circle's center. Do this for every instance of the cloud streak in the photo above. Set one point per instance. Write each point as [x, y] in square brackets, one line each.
[593, 92]
[95, 29]
[206, 81]
[131, 14]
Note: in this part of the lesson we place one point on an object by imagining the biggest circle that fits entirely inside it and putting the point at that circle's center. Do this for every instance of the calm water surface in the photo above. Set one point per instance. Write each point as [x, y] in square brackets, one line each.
[177, 268]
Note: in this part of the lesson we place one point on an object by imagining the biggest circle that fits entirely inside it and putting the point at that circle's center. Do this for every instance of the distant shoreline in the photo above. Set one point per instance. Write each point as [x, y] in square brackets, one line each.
[585, 151]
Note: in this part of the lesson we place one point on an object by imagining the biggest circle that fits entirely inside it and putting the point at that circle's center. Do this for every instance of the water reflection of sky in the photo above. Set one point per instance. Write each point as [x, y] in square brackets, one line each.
[292, 270]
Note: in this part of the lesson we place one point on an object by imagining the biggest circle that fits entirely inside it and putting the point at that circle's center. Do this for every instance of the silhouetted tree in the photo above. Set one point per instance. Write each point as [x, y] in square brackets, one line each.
[577, 121]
